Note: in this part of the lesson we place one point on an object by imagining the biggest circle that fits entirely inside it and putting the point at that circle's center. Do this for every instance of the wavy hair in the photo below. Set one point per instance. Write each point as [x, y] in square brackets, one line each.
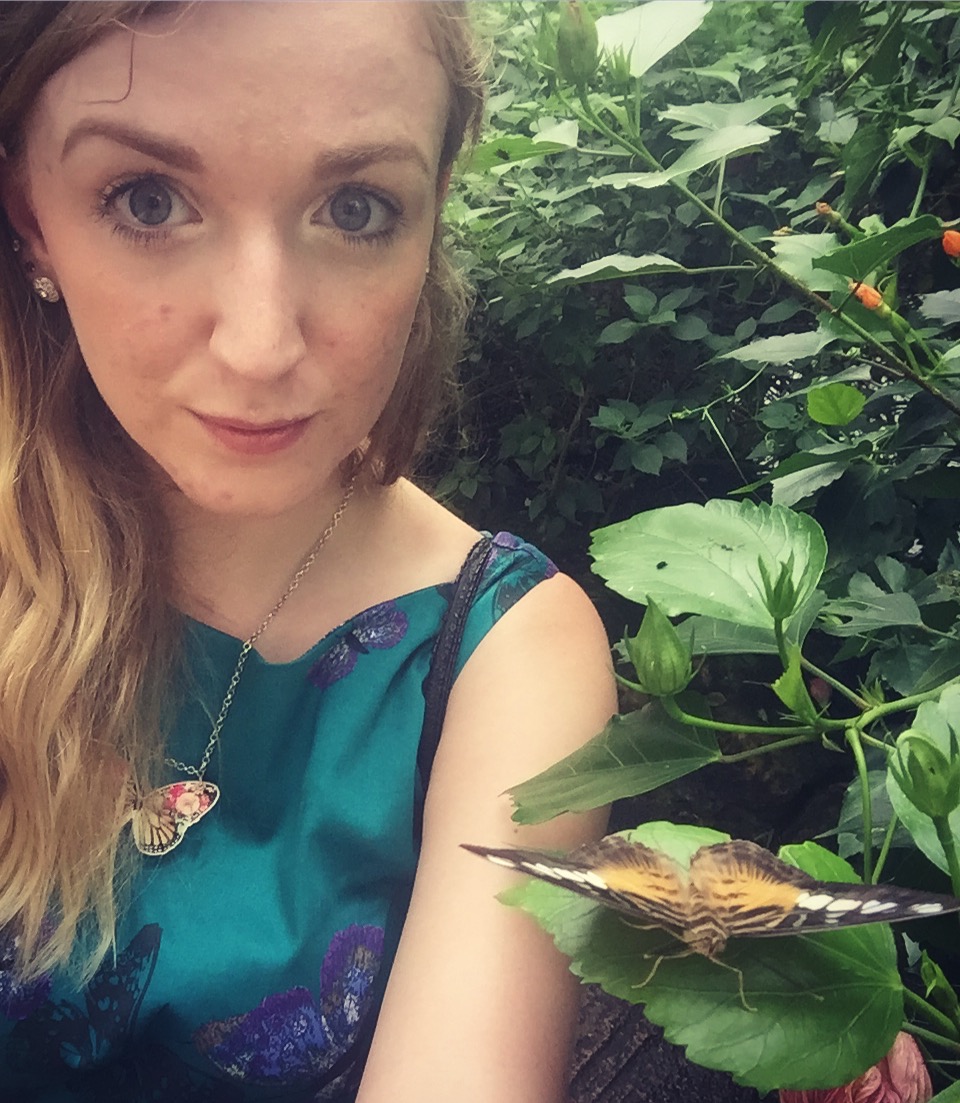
[88, 638]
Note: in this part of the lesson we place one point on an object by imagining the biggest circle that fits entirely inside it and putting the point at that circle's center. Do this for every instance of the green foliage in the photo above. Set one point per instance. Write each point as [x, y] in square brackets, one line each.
[713, 290]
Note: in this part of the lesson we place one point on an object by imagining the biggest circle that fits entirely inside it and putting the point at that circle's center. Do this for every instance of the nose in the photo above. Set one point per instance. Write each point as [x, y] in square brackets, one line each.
[257, 329]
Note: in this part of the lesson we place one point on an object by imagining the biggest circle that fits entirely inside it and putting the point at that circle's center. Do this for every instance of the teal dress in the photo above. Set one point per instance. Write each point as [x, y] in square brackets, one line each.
[252, 958]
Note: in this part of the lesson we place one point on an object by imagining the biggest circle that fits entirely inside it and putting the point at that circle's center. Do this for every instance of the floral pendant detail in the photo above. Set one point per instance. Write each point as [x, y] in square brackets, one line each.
[160, 818]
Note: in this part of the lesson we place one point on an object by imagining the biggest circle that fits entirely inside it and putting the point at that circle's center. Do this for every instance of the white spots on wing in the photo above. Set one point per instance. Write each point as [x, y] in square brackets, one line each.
[926, 909]
[842, 905]
[814, 901]
[875, 907]
[508, 863]
[594, 879]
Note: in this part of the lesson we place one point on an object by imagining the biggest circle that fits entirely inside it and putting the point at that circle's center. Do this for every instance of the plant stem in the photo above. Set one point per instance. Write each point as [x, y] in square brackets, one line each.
[929, 1036]
[672, 709]
[838, 686]
[853, 738]
[885, 847]
[778, 635]
[781, 744]
[890, 707]
[931, 1013]
[947, 841]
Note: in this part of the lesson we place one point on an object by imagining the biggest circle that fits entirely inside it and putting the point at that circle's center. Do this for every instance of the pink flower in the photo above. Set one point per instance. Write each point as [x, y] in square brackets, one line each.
[901, 1077]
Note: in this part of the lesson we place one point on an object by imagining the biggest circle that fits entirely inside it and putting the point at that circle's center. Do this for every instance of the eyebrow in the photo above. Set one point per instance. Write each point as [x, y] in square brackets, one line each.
[181, 156]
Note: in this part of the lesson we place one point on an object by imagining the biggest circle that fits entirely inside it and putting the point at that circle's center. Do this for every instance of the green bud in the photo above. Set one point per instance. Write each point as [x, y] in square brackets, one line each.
[546, 42]
[660, 657]
[929, 779]
[578, 52]
[780, 594]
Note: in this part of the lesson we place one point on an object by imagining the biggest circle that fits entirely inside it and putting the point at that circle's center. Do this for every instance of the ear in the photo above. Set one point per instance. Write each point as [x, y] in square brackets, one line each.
[17, 204]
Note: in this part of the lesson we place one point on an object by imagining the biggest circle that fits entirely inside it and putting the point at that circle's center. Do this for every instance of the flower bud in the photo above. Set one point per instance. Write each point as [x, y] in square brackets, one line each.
[869, 296]
[930, 780]
[951, 242]
[827, 213]
[780, 594]
[578, 51]
[660, 657]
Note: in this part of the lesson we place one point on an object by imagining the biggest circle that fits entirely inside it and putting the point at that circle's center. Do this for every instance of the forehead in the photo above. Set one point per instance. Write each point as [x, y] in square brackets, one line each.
[260, 74]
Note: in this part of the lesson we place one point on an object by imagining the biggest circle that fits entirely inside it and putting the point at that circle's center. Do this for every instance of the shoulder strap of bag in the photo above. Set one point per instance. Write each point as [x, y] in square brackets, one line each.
[446, 649]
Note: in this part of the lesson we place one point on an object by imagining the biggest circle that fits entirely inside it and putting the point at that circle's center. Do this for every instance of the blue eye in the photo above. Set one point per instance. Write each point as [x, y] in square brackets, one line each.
[145, 207]
[358, 213]
[150, 202]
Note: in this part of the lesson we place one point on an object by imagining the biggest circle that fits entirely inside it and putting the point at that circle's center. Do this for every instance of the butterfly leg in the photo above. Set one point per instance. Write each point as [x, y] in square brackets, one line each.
[656, 965]
[734, 969]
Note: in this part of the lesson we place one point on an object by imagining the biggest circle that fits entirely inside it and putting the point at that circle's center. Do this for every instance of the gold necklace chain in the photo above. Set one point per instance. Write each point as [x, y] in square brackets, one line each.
[199, 770]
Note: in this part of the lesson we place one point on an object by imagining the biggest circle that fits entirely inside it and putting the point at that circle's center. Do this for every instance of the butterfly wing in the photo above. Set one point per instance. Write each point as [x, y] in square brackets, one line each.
[628, 877]
[749, 892]
[161, 818]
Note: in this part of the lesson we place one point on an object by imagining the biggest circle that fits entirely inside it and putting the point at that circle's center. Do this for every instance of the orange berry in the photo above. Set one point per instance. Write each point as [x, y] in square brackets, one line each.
[869, 296]
[951, 242]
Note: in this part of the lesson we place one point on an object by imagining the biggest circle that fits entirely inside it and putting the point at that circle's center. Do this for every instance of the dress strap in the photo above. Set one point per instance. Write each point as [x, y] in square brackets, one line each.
[446, 649]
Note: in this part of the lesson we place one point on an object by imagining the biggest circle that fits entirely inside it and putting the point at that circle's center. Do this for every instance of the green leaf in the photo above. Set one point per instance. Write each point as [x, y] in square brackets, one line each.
[634, 754]
[835, 403]
[616, 266]
[796, 254]
[858, 259]
[827, 1006]
[724, 143]
[867, 609]
[648, 32]
[792, 690]
[715, 116]
[861, 158]
[782, 349]
[950, 1094]
[703, 559]
[619, 331]
[508, 150]
[709, 636]
[935, 719]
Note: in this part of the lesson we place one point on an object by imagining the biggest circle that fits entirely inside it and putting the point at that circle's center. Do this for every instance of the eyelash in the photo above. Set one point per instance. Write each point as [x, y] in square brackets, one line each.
[108, 197]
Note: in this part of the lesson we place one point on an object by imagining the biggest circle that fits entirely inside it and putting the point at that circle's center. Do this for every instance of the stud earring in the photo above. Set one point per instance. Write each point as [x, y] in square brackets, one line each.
[46, 289]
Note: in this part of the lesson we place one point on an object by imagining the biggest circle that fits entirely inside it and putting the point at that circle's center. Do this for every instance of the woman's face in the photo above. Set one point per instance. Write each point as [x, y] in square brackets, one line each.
[237, 203]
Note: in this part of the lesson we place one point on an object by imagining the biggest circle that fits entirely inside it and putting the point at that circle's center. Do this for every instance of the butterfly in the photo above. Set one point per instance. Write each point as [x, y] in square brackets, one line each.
[731, 890]
[161, 817]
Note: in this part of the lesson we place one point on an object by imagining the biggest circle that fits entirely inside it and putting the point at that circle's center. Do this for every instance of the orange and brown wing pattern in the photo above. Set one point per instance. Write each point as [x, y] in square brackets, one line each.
[752, 893]
[628, 877]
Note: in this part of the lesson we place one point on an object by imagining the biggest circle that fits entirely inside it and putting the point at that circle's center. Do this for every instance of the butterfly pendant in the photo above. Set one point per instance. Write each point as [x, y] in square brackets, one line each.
[161, 817]
[731, 890]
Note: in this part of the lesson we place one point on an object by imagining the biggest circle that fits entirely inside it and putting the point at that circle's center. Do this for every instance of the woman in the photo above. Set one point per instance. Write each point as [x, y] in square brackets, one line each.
[225, 318]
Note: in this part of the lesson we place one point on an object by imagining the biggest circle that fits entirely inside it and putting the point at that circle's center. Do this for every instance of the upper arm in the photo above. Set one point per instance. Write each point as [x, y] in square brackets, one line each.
[480, 1005]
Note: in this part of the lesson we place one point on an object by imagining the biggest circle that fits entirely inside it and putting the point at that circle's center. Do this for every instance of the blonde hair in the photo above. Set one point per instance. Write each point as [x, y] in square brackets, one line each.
[89, 640]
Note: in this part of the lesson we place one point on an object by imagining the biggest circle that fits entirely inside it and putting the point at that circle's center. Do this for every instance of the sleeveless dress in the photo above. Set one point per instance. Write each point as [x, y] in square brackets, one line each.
[251, 959]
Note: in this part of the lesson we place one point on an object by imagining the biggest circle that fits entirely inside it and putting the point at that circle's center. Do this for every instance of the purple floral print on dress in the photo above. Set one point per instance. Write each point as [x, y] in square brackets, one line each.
[291, 1039]
[376, 629]
[508, 593]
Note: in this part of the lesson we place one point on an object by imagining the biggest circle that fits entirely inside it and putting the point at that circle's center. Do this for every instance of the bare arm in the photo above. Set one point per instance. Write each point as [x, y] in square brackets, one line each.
[480, 1006]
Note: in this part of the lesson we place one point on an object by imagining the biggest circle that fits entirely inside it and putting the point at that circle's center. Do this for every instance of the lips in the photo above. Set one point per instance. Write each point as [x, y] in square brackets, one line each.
[254, 438]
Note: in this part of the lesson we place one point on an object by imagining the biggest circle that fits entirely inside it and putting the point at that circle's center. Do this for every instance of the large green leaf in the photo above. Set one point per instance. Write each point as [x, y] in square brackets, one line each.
[935, 719]
[649, 31]
[617, 266]
[868, 609]
[722, 143]
[858, 259]
[835, 403]
[509, 149]
[709, 636]
[826, 1006]
[704, 559]
[783, 348]
[706, 117]
[634, 754]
